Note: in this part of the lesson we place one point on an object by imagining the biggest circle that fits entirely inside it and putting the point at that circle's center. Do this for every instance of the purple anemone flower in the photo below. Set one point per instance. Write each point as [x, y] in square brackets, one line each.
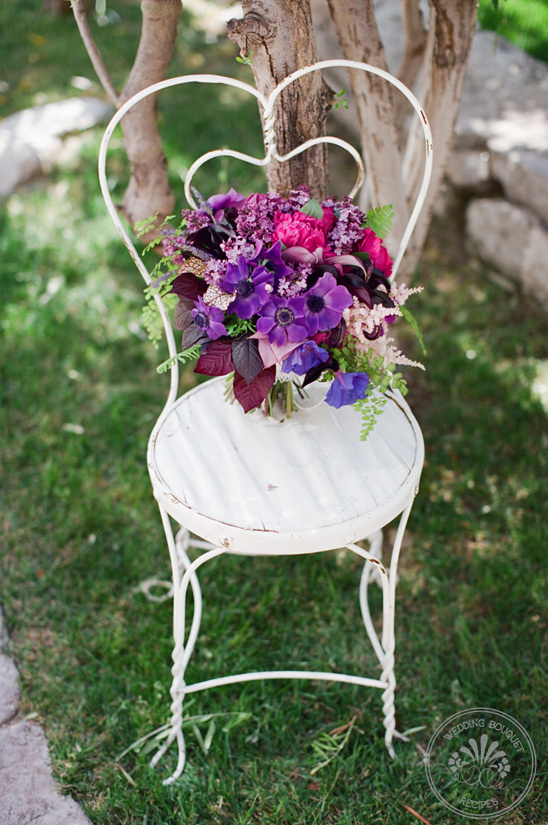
[346, 388]
[217, 203]
[324, 303]
[250, 287]
[208, 319]
[282, 320]
[305, 357]
[272, 258]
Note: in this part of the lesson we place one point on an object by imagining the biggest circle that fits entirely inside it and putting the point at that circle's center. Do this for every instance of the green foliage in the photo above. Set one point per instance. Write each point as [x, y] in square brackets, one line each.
[410, 318]
[380, 218]
[370, 408]
[523, 22]
[247, 60]
[313, 209]
[238, 326]
[188, 354]
[341, 100]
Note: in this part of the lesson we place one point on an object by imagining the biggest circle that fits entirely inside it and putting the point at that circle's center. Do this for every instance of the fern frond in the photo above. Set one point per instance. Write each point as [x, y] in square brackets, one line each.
[379, 219]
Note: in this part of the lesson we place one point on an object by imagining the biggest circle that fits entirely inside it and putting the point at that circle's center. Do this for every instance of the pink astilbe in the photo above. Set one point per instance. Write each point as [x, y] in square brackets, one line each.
[362, 322]
[383, 346]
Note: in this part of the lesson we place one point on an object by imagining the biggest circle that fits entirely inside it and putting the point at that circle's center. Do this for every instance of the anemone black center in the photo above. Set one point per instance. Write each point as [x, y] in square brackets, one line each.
[315, 303]
[284, 316]
[244, 288]
[201, 320]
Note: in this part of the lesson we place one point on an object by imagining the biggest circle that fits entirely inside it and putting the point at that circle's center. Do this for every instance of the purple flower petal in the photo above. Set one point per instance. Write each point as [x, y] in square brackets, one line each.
[218, 203]
[305, 357]
[324, 303]
[346, 388]
[250, 287]
[208, 319]
[282, 320]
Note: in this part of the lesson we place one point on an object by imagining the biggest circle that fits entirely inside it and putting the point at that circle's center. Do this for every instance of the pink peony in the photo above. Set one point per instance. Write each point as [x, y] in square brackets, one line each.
[372, 244]
[298, 229]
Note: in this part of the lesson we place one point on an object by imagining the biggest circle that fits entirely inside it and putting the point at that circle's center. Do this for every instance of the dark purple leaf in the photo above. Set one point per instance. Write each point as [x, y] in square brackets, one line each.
[253, 394]
[247, 361]
[192, 335]
[216, 358]
[189, 288]
[182, 317]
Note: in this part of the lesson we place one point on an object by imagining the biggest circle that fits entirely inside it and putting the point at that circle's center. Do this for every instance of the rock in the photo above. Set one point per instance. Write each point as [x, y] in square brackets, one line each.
[504, 97]
[468, 169]
[523, 175]
[9, 679]
[9, 689]
[31, 141]
[29, 793]
[511, 239]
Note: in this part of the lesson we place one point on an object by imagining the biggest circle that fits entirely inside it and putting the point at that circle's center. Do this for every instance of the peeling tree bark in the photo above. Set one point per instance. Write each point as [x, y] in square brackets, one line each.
[281, 37]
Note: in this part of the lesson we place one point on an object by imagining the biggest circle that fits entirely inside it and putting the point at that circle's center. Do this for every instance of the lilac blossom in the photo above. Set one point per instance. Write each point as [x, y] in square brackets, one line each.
[282, 320]
[324, 304]
[347, 388]
[347, 232]
[305, 357]
[256, 217]
[251, 285]
[208, 319]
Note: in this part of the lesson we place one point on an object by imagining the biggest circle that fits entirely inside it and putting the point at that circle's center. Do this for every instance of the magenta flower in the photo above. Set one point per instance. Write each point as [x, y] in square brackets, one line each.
[372, 244]
[208, 319]
[251, 286]
[324, 303]
[282, 320]
[298, 229]
[346, 388]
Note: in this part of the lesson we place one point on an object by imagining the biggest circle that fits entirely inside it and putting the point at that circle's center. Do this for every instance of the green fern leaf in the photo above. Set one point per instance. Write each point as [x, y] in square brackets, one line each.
[379, 219]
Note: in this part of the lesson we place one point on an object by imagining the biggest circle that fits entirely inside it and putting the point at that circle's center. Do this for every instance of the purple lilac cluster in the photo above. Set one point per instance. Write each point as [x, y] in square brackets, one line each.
[266, 284]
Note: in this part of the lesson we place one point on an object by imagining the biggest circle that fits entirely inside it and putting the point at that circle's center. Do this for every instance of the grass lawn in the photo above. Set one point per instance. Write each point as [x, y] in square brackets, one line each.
[80, 531]
[524, 22]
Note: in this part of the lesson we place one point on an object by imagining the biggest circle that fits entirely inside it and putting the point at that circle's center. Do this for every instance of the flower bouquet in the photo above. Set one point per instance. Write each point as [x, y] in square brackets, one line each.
[278, 293]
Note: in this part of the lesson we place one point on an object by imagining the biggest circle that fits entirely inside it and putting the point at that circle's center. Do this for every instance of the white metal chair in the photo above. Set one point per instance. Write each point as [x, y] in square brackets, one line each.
[244, 484]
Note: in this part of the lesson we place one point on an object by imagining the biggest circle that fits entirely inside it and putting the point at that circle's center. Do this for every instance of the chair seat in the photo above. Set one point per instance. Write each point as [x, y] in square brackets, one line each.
[306, 484]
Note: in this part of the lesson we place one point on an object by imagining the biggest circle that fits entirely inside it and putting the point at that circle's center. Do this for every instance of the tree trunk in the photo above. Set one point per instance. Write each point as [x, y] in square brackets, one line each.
[450, 35]
[394, 174]
[148, 191]
[360, 40]
[279, 33]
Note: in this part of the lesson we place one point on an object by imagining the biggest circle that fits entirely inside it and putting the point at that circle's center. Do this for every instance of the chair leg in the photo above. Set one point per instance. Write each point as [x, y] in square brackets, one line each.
[180, 565]
[184, 573]
[384, 648]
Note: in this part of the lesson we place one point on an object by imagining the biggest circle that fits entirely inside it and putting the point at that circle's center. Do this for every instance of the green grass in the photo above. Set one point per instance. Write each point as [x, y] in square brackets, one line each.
[524, 22]
[80, 531]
